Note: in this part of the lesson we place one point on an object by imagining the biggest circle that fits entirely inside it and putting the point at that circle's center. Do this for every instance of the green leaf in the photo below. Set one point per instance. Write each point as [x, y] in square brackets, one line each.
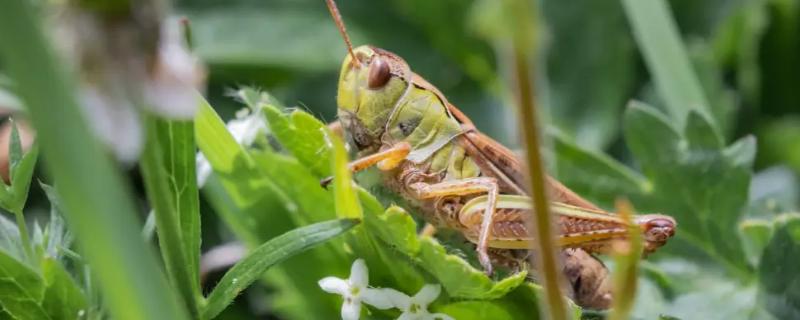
[666, 58]
[755, 237]
[9, 238]
[22, 175]
[270, 253]
[483, 310]
[57, 235]
[240, 193]
[701, 184]
[780, 282]
[14, 150]
[21, 289]
[178, 146]
[21, 166]
[595, 175]
[303, 136]
[395, 228]
[347, 205]
[167, 166]
[63, 299]
[262, 195]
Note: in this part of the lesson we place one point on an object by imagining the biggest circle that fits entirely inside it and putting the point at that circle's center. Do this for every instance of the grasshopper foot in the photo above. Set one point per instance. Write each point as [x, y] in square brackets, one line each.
[325, 182]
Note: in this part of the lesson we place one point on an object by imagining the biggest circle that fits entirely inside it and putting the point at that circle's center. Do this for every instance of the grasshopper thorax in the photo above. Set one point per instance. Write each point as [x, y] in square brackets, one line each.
[370, 88]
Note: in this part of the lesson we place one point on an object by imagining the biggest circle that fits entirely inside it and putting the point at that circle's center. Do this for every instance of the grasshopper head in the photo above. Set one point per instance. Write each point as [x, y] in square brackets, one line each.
[657, 230]
[369, 90]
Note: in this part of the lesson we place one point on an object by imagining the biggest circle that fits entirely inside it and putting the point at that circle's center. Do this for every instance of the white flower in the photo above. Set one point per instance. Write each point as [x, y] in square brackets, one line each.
[244, 129]
[171, 89]
[354, 290]
[247, 126]
[416, 307]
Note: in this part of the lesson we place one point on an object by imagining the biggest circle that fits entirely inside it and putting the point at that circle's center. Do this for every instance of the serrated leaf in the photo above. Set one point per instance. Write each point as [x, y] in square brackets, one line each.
[459, 279]
[303, 136]
[694, 179]
[21, 289]
[270, 253]
[780, 282]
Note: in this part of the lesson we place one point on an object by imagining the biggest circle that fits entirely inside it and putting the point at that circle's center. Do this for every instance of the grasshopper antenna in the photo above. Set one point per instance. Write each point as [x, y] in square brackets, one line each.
[342, 30]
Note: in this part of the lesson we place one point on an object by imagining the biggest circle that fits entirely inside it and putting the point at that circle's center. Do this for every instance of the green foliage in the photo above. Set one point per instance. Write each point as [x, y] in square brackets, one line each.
[589, 113]
[92, 191]
[709, 72]
[40, 287]
[246, 271]
[168, 168]
[397, 257]
[778, 274]
[667, 61]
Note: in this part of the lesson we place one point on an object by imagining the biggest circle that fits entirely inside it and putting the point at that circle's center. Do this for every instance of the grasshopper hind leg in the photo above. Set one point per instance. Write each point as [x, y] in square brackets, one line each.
[470, 186]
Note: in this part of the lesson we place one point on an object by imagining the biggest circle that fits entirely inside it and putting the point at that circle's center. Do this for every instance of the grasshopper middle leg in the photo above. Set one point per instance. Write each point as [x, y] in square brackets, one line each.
[486, 185]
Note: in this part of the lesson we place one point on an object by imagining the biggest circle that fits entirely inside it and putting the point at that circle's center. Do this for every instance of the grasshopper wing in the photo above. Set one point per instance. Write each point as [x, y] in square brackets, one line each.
[497, 161]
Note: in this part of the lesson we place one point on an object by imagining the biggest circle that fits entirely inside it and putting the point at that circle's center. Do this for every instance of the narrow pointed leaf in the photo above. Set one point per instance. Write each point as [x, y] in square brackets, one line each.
[268, 254]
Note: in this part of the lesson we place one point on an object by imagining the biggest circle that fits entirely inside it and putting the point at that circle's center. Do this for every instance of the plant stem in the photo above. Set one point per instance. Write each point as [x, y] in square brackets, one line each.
[523, 42]
[23, 234]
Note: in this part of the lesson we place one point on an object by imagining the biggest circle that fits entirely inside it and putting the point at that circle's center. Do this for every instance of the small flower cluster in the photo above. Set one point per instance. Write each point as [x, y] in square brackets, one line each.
[355, 290]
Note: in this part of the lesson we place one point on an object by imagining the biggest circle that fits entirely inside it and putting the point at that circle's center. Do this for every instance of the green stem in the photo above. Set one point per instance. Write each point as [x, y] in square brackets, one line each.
[523, 28]
[23, 234]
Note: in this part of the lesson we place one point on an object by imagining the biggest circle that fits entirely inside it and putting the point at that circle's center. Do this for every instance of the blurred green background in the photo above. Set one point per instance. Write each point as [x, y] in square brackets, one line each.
[746, 54]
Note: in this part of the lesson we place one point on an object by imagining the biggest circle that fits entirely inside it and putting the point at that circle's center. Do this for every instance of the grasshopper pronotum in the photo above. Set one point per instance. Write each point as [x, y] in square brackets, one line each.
[431, 154]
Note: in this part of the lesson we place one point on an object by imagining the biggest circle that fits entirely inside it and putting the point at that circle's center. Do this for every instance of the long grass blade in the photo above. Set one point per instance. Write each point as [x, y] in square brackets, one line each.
[665, 55]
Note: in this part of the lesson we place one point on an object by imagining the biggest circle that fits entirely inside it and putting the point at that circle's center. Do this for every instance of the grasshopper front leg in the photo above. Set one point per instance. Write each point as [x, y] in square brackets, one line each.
[385, 160]
[470, 186]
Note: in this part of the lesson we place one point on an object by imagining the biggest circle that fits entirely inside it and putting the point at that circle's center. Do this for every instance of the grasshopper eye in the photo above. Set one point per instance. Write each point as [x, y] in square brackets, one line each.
[379, 73]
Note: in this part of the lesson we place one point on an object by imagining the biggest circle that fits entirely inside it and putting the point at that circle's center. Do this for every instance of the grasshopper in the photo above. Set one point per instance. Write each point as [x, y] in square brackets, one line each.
[430, 153]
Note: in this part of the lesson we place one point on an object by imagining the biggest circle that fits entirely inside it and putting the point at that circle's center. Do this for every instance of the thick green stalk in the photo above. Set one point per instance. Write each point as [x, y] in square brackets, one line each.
[523, 51]
[96, 200]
